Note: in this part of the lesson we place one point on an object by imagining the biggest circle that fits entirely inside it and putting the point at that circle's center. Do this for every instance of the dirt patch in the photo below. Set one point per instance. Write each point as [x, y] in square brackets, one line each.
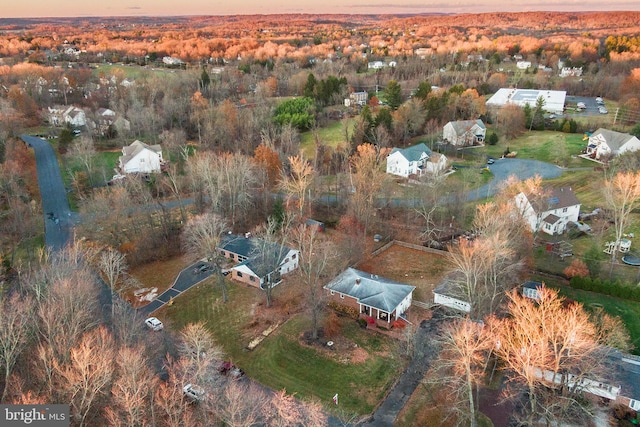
[338, 348]
[424, 270]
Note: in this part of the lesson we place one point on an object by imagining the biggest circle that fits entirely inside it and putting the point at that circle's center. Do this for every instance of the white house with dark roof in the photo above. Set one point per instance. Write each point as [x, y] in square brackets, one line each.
[605, 143]
[382, 299]
[549, 211]
[258, 261]
[415, 160]
[464, 133]
[140, 158]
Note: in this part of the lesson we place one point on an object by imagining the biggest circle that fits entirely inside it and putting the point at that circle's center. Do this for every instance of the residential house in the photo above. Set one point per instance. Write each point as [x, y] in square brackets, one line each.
[444, 294]
[63, 115]
[106, 118]
[140, 158]
[415, 160]
[549, 211]
[381, 299]
[531, 289]
[604, 144]
[359, 98]
[523, 65]
[464, 132]
[376, 65]
[259, 262]
[571, 72]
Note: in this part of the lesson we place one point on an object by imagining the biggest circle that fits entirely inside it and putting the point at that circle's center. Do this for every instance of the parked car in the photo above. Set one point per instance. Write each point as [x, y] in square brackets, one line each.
[599, 101]
[581, 106]
[602, 110]
[490, 161]
[193, 392]
[154, 324]
[202, 268]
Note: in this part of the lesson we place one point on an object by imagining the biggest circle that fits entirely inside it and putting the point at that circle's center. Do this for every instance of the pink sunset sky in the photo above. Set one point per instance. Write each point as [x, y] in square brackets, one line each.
[61, 8]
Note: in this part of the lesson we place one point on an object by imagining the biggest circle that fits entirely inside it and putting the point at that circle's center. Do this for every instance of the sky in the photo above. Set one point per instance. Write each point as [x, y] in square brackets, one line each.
[71, 8]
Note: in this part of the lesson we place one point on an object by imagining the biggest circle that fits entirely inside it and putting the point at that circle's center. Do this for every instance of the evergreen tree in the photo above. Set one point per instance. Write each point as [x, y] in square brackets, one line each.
[393, 94]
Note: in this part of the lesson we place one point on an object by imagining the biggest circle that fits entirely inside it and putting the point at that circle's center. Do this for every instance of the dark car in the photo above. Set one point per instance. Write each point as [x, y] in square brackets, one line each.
[490, 161]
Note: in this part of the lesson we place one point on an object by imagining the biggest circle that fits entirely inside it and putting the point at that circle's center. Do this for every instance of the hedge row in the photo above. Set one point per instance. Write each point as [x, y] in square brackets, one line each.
[606, 287]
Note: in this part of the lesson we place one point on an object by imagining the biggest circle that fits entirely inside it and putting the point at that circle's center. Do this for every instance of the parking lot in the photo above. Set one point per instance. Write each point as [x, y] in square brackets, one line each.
[592, 107]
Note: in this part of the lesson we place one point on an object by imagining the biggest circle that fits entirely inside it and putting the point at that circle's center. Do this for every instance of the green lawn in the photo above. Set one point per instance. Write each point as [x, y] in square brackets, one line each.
[280, 361]
[332, 136]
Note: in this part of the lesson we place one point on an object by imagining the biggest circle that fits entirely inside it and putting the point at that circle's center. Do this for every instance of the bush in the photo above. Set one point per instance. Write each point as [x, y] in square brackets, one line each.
[614, 289]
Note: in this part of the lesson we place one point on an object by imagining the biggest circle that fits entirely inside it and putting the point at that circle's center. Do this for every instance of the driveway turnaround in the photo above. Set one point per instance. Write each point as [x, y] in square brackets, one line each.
[188, 278]
[522, 169]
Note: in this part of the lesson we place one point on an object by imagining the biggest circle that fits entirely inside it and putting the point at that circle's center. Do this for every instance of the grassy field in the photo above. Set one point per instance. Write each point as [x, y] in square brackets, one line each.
[281, 361]
[332, 136]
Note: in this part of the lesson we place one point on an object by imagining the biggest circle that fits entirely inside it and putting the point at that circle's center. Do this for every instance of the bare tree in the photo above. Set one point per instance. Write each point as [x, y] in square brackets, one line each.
[89, 373]
[298, 182]
[84, 150]
[549, 349]
[367, 178]
[622, 195]
[466, 346]
[132, 389]
[269, 252]
[317, 265]
[241, 404]
[201, 237]
[16, 323]
[285, 411]
[198, 350]
[113, 266]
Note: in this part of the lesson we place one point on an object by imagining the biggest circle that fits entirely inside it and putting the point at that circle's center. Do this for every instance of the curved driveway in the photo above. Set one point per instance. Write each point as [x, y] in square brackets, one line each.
[522, 169]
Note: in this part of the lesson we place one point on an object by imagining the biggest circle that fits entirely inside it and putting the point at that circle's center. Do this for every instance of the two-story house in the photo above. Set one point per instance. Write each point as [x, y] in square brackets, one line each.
[415, 160]
[464, 133]
[550, 211]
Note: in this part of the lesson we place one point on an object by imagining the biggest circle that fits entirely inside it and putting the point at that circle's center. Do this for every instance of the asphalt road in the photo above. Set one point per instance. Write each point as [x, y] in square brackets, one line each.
[522, 169]
[59, 224]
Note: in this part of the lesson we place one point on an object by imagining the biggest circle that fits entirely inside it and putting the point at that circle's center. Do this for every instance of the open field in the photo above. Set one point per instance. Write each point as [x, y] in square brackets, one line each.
[331, 135]
[424, 270]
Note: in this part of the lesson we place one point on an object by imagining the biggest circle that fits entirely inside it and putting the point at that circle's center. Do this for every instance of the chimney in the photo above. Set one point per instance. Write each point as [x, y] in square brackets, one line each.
[357, 281]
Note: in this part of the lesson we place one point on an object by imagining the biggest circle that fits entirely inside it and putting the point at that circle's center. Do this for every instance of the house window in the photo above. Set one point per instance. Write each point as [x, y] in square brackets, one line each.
[286, 260]
[239, 273]
[547, 227]
[293, 256]
[252, 278]
[564, 210]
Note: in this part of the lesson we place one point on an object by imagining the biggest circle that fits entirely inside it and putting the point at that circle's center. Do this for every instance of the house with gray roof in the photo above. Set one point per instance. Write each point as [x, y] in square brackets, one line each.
[604, 144]
[446, 294]
[140, 158]
[258, 262]
[464, 133]
[415, 160]
[549, 211]
[379, 298]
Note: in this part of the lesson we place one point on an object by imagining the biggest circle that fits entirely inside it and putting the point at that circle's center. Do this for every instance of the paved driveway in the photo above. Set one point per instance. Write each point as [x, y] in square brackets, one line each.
[522, 169]
[187, 278]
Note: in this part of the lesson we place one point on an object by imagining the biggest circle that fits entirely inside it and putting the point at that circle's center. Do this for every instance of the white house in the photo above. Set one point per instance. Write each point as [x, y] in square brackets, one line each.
[523, 65]
[140, 158]
[464, 132]
[549, 211]
[60, 116]
[605, 143]
[258, 261]
[415, 160]
[553, 99]
[530, 289]
[382, 299]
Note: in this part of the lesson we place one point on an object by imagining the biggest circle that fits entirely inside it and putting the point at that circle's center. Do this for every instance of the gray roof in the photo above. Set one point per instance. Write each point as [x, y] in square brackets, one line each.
[551, 219]
[371, 290]
[532, 285]
[615, 140]
[413, 153]
[463, 126]
[553, 198]
[627, 373]
[129, 152]
[252, 248]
